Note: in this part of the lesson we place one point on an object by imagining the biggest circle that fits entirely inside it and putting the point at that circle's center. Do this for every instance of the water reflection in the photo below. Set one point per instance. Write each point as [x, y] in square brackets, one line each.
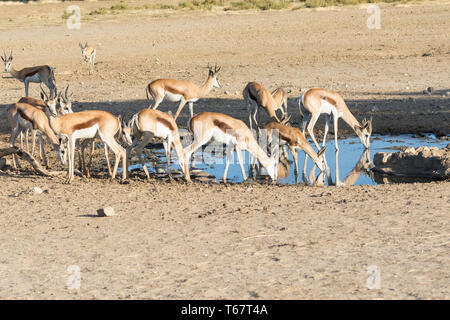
[349, 166]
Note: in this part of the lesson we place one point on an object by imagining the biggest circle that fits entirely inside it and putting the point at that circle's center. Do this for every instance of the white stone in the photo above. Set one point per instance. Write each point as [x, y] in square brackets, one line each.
[106, 212]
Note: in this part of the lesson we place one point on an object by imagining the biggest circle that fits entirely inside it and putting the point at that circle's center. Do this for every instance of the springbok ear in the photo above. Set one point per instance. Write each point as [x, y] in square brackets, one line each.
[321, 151]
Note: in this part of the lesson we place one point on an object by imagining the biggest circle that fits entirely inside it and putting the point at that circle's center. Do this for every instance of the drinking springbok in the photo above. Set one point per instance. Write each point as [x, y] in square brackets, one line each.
[232, 132]
[296, 141]
[151, 123]
[315, 102]
[271, 102]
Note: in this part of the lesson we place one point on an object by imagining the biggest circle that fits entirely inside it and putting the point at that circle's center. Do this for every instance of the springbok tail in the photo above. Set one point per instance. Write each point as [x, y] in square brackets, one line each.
[52, 75]
[133, 122]
[147, 92]
[300, 102]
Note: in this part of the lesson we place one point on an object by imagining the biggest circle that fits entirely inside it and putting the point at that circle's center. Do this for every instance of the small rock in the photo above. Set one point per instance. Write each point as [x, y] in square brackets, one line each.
[200, 173]
[430, 89]
[160, 170]
[106, 212]
[37, 190]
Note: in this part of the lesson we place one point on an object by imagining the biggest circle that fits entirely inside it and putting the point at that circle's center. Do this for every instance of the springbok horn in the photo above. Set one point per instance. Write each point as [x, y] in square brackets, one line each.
[285, 119]
[66, 98]
[43, 91]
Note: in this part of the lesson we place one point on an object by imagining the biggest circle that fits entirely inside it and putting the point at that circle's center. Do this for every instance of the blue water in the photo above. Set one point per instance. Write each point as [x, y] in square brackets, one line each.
[351, 152]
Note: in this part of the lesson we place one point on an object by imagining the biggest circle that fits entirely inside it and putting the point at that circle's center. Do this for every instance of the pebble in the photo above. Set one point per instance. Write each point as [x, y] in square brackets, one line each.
[106, 212]
[160, 170]
[37, 190]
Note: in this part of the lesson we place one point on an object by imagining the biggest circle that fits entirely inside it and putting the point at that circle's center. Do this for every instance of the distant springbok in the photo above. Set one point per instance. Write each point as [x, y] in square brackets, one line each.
[39, 74]
[183, 91]
[88, 54]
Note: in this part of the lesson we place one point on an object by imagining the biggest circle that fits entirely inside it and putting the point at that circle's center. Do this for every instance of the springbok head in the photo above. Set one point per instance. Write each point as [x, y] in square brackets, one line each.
[7, 60]
[321, 162]
[212, 73]
[125, 130]
[50, 101]
[64, 101]
[84, 50]
[366, 132]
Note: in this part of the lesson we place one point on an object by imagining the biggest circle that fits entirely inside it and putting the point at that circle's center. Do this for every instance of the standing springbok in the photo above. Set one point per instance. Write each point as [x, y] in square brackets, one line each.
[87, 125]
[22, 116]
[63, 105]
[39, 74]
[232, 132]
[183, 91]
[271, 102]
[296, 141]
[88, 54]
[151, 123]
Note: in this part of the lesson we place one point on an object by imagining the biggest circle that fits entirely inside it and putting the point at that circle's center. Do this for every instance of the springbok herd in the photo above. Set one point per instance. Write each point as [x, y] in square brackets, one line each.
[52, 116]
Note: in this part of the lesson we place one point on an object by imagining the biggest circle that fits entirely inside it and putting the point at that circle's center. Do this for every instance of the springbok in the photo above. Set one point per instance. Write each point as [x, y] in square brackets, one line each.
[123, 134]
[296, 141]
[39, 74]
[271, 102]
[315, 102]
[88, 53]
[183, 91]
[63, 106]
[232, 132]
[87, 125]
[22, 116]
[151, 123]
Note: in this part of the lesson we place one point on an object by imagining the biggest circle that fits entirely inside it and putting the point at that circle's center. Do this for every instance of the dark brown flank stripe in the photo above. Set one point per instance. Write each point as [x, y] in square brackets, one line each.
[222, 126]
[32, 73]
[85, 125]
[23, 115]
[174, 91]
[166, 123]
[329, 100]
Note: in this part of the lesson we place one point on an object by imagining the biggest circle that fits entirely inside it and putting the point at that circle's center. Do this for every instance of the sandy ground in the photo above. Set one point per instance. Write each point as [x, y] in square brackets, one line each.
[241, 241]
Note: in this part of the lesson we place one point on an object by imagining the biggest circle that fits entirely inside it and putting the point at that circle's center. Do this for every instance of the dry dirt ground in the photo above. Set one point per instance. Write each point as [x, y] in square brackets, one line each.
[240, 241]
